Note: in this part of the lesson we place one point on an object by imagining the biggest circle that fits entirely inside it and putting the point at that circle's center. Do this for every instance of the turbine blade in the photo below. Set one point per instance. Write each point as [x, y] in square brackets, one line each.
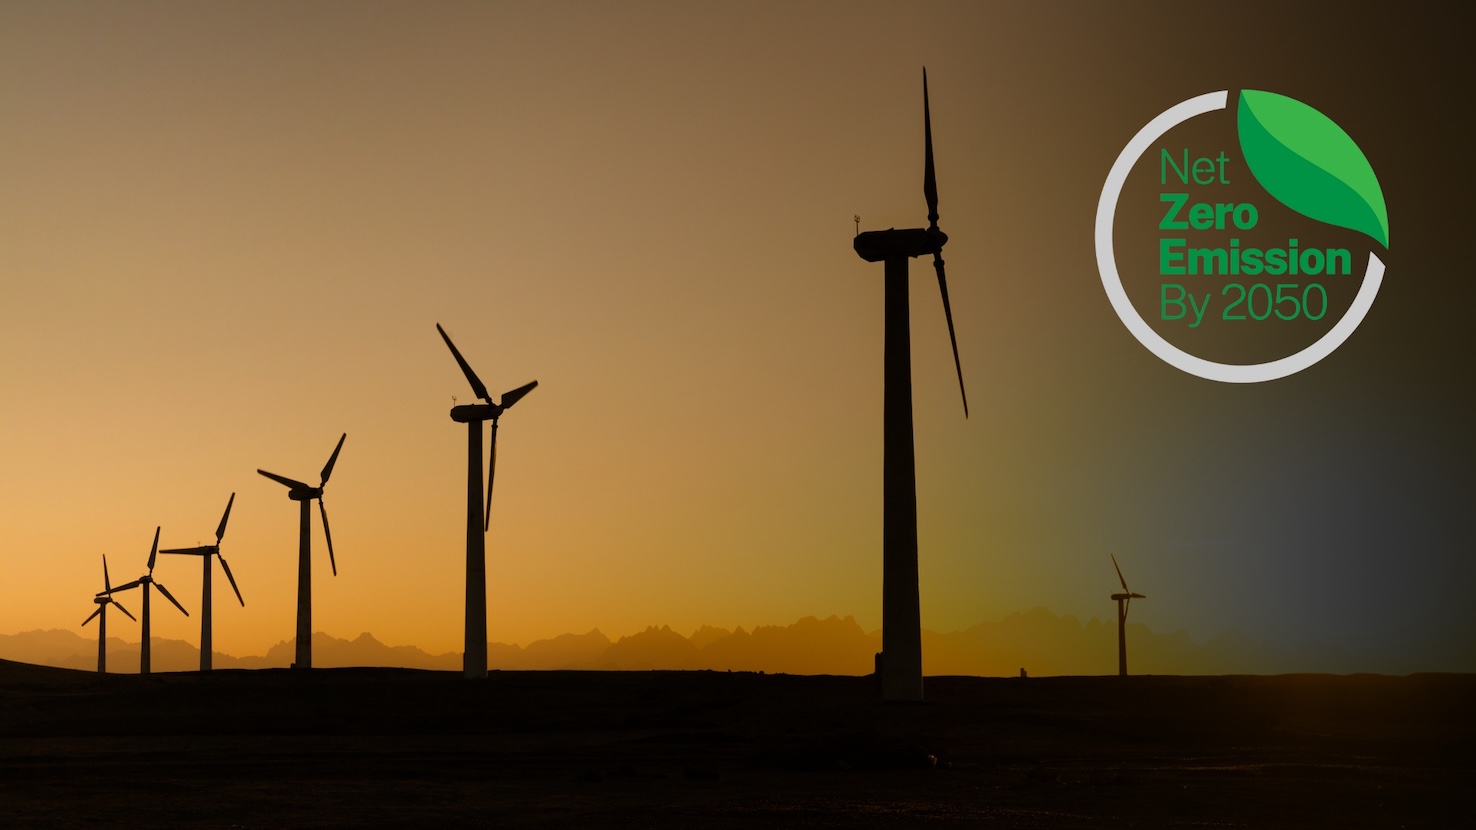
[476, 382]
[205, 549]
[1137, 596]
[948, 315]
[491, 476]
[154, 551]
[225, 517]
[283, 480]
[95, 612]
[124, 610]
[121, 588]
[1119, 574]
[510, 398]
[332, 459]
[327, 535]
[170, 597]
[107, 585]
[930, 180]
[227, 569]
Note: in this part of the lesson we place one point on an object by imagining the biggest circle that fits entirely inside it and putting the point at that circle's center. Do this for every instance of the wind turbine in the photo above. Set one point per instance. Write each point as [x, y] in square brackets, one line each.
[103, 600]
[474, 654]
[207, 551]
[299, 492]
[145, 581]
[1124, 600]
[901, 659]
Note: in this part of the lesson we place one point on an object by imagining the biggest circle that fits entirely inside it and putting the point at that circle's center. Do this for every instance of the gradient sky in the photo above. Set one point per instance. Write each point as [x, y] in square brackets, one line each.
[228, 229]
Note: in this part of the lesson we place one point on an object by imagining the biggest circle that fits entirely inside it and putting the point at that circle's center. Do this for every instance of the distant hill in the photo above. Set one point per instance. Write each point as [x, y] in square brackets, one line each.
[1038, 641]
[64, 649]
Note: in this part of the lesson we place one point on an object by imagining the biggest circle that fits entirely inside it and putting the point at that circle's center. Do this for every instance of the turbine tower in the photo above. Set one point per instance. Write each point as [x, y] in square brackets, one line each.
[901, 658]
[299, 492]
[474, 654]
[103, 600]
[208, 551]
[1124, 600]
[145, 581]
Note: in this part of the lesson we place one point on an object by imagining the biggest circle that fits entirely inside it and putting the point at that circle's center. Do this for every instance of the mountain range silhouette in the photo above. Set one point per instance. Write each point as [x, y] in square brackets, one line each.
[1038, 641]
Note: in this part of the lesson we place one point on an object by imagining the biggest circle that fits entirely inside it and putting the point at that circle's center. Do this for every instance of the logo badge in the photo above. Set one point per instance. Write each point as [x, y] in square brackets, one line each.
[1232, 253]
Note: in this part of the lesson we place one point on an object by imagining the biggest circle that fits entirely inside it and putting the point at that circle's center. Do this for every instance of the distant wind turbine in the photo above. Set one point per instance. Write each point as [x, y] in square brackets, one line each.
[474, 654]
[208, 551]
[299, 492]
[103, 600]
[1124, 600]
[144, 582]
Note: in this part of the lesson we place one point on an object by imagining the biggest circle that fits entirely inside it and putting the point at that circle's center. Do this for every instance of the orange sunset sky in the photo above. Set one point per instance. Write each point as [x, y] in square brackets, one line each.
[227, 231]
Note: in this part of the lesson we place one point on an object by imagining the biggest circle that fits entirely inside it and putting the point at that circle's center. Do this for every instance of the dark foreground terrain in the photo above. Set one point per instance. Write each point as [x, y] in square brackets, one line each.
[401, 748]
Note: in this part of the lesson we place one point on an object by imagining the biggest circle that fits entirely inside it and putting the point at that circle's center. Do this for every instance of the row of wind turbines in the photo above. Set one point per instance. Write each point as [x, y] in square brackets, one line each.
[478, 521]
[900, 662]
[479, 514]
[297, 491]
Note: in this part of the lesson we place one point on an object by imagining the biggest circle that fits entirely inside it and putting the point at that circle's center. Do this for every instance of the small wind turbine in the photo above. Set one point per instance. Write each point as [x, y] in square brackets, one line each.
[208, 551]
[145, 581]
[103, 600]
[299, 492]
[474, 654]
[1124, 600]
[901, 659]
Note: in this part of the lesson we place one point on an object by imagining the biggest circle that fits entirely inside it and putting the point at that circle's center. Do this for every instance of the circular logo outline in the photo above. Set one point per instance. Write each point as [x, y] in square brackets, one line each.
[1152, 340]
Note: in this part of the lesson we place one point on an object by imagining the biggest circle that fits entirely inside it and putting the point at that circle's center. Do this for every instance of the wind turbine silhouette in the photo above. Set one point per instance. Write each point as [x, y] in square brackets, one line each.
[299, 492]
[207, 551]
[103, 600]
[145, 581]
[901, 658]
[1124, 600]
[474, 654]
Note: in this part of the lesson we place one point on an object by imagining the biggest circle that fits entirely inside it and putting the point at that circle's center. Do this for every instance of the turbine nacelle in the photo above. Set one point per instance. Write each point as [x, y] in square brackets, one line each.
[468, 413]
[878, 246]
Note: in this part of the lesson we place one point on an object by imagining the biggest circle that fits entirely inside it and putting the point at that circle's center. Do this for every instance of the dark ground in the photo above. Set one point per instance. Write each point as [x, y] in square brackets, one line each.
[402, 748]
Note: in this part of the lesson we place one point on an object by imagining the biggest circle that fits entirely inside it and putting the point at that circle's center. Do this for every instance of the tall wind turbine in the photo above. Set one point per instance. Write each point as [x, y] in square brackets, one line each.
[1124, 600]
[474, 654]
[103, 600]
[145, 581]
[299, 492]
[208, 551]
[901, 659]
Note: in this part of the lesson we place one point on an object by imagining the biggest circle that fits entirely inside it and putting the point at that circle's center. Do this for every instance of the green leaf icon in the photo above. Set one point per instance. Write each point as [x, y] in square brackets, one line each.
[1306, 162]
